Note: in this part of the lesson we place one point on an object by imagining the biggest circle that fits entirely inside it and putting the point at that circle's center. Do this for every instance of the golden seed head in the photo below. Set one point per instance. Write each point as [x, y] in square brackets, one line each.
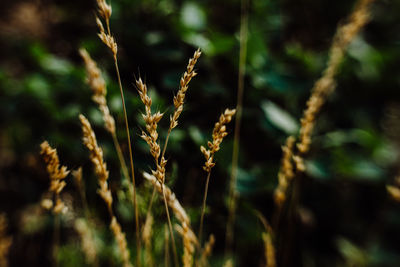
[218, 135]
[104, 9]
[121, 240]
[179, 99]
[96, 156]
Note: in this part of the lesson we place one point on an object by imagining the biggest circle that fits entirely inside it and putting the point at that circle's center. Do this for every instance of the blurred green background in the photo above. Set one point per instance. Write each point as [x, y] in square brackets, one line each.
[345, 217]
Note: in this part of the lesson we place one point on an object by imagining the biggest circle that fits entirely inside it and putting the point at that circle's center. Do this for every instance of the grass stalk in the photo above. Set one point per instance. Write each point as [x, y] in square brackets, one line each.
[176, 262]
[203, 208]
[138, 250]
[238, 121]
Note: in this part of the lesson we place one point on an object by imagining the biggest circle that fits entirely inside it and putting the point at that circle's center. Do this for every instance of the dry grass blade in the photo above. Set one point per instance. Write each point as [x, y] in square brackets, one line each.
[207, 251]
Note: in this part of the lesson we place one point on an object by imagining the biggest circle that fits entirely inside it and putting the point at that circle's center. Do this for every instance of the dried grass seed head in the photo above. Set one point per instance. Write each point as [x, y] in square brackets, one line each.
[96, 156]
[106, 38]
[219, 132]
[121, 240]
[179, 99]
[104, 9]
[97, 84]
[56, 172]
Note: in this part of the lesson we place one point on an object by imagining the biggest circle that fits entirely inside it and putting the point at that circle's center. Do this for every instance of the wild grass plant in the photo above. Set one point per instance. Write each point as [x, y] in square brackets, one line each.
[167, 231]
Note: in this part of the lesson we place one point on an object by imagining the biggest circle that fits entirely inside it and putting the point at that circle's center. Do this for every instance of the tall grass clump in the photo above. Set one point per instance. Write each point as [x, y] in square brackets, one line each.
[157, 236]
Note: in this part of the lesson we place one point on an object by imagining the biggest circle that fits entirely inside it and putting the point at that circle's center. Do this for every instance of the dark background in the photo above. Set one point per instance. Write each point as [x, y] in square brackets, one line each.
[344, 217]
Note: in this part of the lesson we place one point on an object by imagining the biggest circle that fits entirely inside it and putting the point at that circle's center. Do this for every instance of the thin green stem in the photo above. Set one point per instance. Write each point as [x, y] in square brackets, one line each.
[235, 154]
[203, 209]
[138, 249]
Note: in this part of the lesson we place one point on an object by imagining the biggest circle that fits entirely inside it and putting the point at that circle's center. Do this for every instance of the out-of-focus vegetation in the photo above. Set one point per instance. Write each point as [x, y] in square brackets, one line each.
[345, 216]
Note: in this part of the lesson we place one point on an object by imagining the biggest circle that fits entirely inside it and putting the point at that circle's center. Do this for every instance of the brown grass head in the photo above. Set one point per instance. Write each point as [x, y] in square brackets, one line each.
[286, 172]
[188, 247]
[151, 121]
[57, 175]
[207, 250]
[121, 240]
[179, 99]
[345, 33]
[97, 84]
[218, 135]
[107, 38]
[104, 9]
[96, 156]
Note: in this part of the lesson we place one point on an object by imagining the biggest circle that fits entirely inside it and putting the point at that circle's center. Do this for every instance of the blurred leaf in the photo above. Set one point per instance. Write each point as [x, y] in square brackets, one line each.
[56, 65]
[193, 16]
[354, 256]
[279, 117]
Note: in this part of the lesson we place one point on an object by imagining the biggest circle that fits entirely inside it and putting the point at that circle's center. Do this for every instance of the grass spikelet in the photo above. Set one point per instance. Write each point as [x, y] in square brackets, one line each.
[269, 251]
[286, 172]
[172, 201]
[147, 234]
[207, 251]
[5, 241]
[121, 240]
[326, 84]
[179, 99]
[269, 248]
[219, 132]
[96, 156]
[98, 86]
[151, 121]
[57, 175]
[188, 248]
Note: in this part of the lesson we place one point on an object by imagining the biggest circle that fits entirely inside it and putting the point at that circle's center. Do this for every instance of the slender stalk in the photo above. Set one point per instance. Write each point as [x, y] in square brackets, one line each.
[239, 105]
[166, 258]
[117, 146]
[131, 163]
[170, 228]
[204, 206]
